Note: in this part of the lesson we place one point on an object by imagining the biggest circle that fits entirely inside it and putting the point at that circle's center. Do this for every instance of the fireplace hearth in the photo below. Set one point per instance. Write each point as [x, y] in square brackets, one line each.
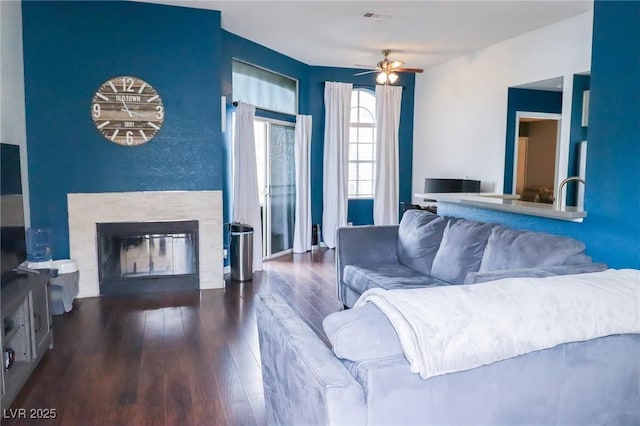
[142, 257]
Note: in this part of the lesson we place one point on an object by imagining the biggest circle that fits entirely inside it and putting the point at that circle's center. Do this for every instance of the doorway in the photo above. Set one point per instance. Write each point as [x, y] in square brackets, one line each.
[535, 156]
[276, 184]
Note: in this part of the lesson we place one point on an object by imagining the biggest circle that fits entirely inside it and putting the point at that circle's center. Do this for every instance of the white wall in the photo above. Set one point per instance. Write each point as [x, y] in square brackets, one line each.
[461, 105]
[12, 111]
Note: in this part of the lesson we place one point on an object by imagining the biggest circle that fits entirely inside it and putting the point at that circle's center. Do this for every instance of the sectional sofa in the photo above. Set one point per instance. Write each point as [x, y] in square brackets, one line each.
[428, 250]
[366, 378]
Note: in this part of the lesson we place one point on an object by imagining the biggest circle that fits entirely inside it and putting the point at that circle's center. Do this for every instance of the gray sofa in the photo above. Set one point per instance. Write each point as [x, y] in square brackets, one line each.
[366, 380]
[430, 250]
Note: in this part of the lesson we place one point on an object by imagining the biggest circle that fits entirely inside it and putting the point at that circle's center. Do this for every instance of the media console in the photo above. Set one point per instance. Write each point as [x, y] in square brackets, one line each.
[26, 330]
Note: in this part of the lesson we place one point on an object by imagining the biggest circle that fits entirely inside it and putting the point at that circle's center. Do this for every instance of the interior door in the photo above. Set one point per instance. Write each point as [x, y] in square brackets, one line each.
[276, 180]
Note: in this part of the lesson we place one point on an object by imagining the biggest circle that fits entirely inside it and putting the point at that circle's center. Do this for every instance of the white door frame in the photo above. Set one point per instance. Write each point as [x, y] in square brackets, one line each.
[266, 213]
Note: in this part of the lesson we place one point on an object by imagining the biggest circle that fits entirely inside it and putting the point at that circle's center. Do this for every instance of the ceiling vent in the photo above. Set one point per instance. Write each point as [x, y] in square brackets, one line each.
[373, 15]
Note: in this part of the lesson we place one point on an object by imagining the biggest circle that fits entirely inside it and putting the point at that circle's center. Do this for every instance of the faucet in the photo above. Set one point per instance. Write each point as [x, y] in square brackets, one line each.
[558, 204]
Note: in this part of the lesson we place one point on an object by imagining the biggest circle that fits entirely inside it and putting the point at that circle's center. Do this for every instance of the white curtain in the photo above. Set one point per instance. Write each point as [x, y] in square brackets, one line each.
[246, 201]
[302, 153]
[337, 103]
[385, 196]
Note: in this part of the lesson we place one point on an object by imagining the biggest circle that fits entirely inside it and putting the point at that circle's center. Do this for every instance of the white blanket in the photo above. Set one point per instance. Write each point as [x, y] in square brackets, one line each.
[456, 328]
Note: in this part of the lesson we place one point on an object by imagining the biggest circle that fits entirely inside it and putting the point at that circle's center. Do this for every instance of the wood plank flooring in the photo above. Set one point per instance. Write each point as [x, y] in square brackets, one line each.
[188, 358]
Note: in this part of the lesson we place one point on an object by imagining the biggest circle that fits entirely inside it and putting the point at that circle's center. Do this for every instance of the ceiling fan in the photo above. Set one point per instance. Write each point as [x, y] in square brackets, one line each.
[387, 69]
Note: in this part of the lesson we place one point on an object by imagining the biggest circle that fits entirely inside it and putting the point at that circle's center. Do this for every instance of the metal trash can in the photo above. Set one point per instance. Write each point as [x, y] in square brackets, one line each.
[241, 252]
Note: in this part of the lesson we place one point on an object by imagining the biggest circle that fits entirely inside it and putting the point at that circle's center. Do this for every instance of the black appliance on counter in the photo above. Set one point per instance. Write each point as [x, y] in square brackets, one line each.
[443, 185]
[434, 185]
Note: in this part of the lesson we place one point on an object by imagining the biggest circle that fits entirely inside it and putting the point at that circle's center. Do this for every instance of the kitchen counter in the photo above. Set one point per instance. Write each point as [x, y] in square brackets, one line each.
[507, 203]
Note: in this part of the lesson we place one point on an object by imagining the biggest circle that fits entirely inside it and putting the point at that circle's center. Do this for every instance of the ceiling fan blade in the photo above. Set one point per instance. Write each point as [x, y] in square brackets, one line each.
[387, 66]
[368, 67]
[366, 72]
[414, 70]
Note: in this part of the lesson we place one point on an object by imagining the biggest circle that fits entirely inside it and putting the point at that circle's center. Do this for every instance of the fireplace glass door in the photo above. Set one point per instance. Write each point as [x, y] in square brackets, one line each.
[143, 257]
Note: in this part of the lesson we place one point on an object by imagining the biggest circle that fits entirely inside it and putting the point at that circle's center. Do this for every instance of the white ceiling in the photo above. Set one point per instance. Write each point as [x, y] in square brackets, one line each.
[421, 33]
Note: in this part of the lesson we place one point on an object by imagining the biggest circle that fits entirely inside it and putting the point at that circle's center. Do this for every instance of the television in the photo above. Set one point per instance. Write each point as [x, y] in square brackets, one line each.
[12, 227]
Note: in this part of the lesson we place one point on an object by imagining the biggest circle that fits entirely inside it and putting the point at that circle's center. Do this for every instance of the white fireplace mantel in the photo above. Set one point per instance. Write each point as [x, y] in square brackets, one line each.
[85, 210]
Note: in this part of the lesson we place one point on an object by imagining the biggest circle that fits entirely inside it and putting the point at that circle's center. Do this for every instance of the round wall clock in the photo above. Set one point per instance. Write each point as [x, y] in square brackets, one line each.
[127, 111]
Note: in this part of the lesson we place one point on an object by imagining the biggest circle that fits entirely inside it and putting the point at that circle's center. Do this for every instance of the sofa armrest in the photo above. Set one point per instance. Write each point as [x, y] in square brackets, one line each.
[546, 271]
[362, 245]
[304, 383]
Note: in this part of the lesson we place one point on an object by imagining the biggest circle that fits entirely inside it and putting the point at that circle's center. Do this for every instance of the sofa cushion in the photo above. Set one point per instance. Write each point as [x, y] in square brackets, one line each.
[419, 236]
[461, 250]
[361, 334]
[387, 276]
[515, 249]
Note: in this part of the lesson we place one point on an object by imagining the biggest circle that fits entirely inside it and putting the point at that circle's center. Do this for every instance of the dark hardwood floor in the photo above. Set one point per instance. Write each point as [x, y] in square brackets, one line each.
[188, 358]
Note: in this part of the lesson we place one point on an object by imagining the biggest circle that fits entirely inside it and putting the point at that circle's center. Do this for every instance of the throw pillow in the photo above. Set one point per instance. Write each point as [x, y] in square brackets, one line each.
[361, 334]
[419, 236]
[461, 250]
[513, 249]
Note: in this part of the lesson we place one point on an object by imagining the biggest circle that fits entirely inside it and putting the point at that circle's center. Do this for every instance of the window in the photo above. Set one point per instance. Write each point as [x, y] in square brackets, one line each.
[263, 88]
[362, 144]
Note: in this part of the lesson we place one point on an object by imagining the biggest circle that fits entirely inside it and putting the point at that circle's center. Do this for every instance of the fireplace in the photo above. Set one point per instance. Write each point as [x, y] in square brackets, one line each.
[86, 210]
[142, 257]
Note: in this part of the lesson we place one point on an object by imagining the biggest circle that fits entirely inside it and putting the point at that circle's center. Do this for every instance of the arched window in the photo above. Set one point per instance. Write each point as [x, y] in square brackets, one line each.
[362, 144]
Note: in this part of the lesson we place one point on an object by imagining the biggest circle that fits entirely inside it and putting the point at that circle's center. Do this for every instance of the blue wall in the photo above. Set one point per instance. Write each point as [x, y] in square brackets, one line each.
[311, 101]
[577, 133]
[612, 199]
[530, 101]
[235, 47]
[613, 159]
[70, 49]
[360, 212]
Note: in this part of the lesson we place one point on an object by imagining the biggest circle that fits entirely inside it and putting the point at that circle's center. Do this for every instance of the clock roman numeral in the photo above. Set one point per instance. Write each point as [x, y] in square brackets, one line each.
[146, 139]
[101, 96]
[113, 137]
[101, 125]
[153, 98]
[153, 125]
[113, 87]
[142, 88]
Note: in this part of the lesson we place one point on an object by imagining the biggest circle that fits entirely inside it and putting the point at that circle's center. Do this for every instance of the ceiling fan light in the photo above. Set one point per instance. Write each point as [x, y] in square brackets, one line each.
[381, 78]
[393, 77]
